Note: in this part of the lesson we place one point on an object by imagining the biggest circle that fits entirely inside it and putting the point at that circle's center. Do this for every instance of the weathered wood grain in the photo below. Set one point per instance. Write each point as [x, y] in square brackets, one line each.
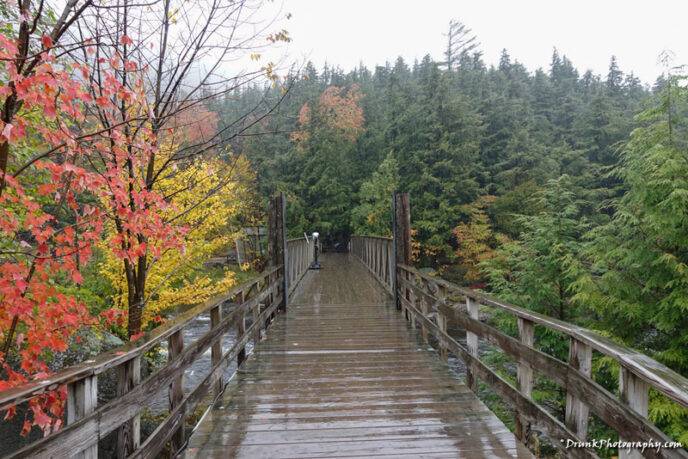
[524, 375]
[122, 354]
[335, 378]
[578, 385]
[129, 434]
[659, 376]
[111, 415]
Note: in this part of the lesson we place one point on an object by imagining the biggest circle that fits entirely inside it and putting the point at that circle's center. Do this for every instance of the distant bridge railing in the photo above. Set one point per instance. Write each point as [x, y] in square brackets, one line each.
[429, 302]
[377, 254]
[299, 258]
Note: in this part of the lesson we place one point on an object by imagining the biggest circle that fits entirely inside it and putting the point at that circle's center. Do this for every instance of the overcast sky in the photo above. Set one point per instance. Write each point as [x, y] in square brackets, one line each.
[346, 33]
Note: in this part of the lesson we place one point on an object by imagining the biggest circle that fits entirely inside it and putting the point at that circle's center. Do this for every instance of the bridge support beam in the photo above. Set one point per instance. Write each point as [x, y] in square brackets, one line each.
[277, 241]
[401, 230]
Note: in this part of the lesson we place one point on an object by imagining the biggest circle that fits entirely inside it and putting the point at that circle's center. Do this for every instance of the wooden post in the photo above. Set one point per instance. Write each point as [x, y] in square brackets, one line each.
[277, 241]
[216, 350]
[580, 358]
[442, 325]
[634, 393]
[241, 331]
[256, 332]
[129, 434]
[175, 347]
[526, 332]
[442, 320]
[401, 230]
[82, 399]
[422, 305]
[472, 343]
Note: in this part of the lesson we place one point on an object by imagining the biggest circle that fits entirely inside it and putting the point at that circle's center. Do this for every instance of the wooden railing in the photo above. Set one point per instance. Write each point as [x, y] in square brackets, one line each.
[299, 257]
[87, 423]
[429, 303]
[377, 254]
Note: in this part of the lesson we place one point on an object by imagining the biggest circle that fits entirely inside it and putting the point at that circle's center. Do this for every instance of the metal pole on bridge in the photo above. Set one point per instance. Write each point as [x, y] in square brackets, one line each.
[401, 230]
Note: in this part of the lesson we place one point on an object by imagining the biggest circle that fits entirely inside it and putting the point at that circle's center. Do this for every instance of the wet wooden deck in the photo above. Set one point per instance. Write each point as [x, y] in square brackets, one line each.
[342, 375]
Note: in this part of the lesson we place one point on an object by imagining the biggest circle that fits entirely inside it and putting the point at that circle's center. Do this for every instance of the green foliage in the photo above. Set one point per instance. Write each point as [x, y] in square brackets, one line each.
[637, 283]
[374, 213]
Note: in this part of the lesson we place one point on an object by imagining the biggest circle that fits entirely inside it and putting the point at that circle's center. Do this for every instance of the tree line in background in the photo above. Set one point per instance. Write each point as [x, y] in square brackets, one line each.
[560, 192]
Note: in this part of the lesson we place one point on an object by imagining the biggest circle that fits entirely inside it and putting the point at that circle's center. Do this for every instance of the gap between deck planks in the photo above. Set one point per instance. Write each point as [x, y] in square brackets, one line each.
[342, 375]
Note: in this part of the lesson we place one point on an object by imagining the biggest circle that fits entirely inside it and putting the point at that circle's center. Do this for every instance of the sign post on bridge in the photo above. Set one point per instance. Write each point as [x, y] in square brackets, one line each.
[277, 240]
[401, 230]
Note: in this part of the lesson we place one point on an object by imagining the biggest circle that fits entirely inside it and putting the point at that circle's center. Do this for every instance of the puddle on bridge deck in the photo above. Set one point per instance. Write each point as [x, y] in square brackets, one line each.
[342, 375]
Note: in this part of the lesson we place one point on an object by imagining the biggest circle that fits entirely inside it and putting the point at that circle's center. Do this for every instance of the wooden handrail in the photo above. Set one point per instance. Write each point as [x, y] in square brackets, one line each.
[299, 257]
[123, 353]
[426, 300]
[377, 254]
[659, 376]
[424, 297]
[259, 298]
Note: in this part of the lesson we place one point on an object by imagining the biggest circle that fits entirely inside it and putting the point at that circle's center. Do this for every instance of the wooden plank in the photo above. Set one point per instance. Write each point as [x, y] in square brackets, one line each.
[82, 399]
[604, 404]
[524, 374]
[129, 434]
[216, 349]
[157, 440]
[524, 405]
[577, 384]
[580, 358]
[277, 239]
[329, 401]
[175, 348]
[472, 342]
[634, 393]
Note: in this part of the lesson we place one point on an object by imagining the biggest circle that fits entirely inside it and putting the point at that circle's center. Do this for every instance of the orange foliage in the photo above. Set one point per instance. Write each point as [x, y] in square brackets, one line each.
[475, 239]
[338, 109]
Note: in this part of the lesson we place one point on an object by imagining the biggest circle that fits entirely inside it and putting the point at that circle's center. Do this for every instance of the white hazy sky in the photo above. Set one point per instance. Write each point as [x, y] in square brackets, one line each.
[345, 33]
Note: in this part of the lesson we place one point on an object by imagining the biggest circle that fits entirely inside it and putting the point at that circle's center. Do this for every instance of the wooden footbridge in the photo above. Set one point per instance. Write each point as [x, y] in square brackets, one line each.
[367, 357]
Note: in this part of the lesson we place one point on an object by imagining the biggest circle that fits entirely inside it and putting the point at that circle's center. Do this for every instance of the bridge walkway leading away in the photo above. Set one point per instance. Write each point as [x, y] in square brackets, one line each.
[342, 375]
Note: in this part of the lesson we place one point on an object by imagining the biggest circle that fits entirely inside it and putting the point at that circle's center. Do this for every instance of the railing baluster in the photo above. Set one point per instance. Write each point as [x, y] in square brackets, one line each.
[526, 333]
[82, 398]
[442, 319]
[634, 392]
[580, 358]
[241, 329]
[129, 434]
[216, 350]
[422, 305]
[472, 342]
[256, 332]
[176, 393]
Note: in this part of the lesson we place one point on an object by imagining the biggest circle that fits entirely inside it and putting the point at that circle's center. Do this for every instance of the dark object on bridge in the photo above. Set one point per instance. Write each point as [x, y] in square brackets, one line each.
[316, 262]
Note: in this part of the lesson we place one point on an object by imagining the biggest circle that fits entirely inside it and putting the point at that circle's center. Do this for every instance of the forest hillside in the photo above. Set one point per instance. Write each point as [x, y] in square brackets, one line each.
[558, 191]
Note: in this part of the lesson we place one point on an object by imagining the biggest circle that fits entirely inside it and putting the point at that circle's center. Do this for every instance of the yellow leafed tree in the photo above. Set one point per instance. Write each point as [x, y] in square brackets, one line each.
[208, 195]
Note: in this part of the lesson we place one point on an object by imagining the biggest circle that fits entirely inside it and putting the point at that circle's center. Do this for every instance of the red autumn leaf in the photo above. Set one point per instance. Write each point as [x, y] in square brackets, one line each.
[47, 42]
